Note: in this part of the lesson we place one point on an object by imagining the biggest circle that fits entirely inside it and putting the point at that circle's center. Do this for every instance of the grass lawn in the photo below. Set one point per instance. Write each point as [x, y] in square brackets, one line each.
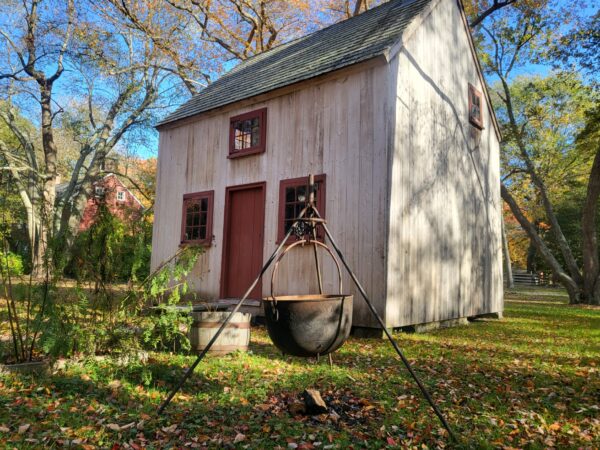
[530, 380]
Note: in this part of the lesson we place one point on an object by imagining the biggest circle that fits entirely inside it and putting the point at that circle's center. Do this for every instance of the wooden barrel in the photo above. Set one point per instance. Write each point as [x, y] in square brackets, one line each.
[236, 336]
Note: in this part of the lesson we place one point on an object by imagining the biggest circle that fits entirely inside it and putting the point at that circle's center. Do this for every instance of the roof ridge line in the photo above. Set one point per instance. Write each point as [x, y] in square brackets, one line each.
[305, 36]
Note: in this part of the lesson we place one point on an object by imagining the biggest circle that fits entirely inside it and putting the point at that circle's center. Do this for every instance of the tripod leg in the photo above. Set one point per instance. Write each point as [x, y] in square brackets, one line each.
[190, 370]
[387, 333]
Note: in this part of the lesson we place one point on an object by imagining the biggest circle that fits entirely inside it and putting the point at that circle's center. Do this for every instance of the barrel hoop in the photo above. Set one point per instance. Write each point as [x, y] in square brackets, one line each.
[231, 347]
[238, 325]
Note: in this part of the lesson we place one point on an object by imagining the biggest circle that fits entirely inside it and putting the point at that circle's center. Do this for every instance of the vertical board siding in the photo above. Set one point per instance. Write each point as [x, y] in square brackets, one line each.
[413, 195]
[444, 256]
[335, 127]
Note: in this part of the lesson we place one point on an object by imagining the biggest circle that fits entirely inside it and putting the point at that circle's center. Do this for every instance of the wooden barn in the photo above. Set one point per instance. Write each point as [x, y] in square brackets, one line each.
[390, 111]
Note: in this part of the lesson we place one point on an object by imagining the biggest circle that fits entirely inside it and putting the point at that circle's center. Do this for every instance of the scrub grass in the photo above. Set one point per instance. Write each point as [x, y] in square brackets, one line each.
[530, 380]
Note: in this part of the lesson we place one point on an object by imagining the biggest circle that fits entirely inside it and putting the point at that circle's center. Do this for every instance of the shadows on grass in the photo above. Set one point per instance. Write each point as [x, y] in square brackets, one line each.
[514, 382]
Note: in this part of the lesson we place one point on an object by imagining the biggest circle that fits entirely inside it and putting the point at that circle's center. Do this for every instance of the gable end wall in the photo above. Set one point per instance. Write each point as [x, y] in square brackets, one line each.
[444, 258]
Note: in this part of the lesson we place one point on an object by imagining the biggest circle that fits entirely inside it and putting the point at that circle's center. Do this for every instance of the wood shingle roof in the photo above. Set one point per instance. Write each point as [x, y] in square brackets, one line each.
[343, 44]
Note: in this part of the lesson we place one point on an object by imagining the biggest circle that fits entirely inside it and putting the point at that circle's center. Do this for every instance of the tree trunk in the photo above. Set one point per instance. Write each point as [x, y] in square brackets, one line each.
[555, 227]
[531, 254]
[570, 285]
[510, 282]
[591, 263]
[48, 199]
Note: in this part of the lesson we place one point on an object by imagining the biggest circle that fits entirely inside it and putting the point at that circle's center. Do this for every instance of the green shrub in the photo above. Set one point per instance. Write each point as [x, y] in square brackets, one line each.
[103, 319]
[167, 328]
[112, 250]
[11, 264]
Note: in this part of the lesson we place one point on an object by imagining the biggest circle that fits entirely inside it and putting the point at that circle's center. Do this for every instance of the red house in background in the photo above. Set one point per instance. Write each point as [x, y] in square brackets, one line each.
[121, 202]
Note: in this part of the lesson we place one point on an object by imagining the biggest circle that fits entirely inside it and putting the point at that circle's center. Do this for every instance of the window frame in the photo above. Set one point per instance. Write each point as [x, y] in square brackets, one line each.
[121, 196]
[261, 114]
[321, 201]
[475, 121]
[198, 196]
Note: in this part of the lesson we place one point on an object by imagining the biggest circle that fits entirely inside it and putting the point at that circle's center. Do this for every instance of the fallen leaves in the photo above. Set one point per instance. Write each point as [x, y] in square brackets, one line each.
[494, 386]
[170, 429]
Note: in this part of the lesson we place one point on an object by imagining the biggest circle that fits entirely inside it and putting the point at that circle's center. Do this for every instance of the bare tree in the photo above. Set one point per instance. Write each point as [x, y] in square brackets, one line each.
[198, 39]
[28, 56]
[109, 67]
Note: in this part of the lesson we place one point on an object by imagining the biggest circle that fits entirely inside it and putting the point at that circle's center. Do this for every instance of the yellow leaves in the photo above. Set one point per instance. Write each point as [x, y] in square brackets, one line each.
[554, 427]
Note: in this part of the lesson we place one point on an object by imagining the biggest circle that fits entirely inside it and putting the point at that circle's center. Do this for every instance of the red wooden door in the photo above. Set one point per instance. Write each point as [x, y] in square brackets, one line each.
[243, 240]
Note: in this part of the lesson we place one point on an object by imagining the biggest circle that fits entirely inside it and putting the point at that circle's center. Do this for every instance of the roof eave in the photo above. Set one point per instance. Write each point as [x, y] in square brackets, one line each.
[276, 92]
[395, 48]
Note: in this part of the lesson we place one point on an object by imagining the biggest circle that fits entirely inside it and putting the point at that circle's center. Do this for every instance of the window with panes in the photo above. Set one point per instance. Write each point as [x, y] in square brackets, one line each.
[196, 226]
[293, 194]
[475, 107]
[248, 133]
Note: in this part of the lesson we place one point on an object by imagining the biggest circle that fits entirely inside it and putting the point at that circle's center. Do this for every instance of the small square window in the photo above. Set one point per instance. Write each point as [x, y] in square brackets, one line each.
[247, 133]
[99, 190]
[293, 195]
[196, 224]
[475, 107]
[121, 196]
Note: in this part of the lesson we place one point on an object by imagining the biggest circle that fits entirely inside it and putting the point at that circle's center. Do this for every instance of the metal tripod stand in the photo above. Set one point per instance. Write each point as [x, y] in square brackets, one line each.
[309, 218]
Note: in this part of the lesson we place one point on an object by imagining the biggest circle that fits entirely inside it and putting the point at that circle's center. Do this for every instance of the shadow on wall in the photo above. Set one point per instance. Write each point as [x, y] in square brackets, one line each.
[448, 272]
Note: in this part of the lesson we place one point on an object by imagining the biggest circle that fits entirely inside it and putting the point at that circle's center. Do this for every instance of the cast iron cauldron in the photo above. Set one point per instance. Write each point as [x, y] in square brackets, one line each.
[308, 325]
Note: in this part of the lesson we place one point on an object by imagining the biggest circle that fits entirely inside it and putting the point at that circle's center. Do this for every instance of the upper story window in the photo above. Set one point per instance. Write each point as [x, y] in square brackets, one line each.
[99, 190]
[248, 133]
[121, 196]
[196, 224]
[293, 194]
[475, 107]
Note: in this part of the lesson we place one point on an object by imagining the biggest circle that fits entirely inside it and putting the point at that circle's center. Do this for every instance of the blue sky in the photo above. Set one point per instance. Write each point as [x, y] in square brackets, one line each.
[144, 143]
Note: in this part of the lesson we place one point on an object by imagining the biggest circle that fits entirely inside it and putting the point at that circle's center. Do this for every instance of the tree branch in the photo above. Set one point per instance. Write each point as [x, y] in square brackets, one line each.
[540, 245]
[485, 13]
[60, 67]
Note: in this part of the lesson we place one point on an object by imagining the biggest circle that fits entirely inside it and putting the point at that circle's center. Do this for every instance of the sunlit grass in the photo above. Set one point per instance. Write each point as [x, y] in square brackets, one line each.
[531, 379]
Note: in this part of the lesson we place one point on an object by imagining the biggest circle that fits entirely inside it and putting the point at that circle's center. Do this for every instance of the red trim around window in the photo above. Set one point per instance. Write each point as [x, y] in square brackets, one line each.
[192, 198]
[320, 180]
[261, 115]
[475, 119]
